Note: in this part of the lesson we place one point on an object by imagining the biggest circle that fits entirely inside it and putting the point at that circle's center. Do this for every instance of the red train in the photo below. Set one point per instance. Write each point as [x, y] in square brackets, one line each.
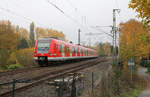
[52, 50]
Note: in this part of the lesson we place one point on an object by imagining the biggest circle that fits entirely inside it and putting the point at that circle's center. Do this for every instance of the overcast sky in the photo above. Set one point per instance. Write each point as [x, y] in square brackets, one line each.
[81, 14]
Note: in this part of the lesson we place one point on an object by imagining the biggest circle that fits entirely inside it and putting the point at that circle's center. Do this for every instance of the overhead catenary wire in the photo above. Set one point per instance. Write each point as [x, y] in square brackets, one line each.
[74, 7]
[16, 14]
[65, 14]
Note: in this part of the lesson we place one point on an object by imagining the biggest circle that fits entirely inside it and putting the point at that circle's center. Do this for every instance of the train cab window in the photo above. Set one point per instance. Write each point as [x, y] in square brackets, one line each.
[43, 45]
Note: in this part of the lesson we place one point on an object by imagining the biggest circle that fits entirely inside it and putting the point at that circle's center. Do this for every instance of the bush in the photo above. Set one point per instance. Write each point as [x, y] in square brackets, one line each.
[25, 57]
[12, 58]
[4, 55]
[145, 63]
[14, 66]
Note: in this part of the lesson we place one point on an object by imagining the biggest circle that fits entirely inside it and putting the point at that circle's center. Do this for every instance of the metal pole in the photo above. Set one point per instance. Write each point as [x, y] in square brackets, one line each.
[113, 47]
[131, 76]
[79, 36]
[115, 35]
[131, 73]
[73, 91]
[13, 87]
[62, 88]
[92, 83]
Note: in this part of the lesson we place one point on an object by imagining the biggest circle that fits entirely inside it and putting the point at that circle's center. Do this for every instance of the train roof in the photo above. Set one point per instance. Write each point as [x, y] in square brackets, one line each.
[40, 38]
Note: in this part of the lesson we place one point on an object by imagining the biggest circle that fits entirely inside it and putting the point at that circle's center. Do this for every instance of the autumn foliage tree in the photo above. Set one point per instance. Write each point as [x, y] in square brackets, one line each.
[7, 36]
[8, 41]
[42, 32]
[142, 7]
[31, 35]
[104, 49]
[134, 41]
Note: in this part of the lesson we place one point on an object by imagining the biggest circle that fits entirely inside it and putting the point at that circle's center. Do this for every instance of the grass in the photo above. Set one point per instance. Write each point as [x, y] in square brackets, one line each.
[147, 72]
[1, 70]
[14, 66]
[133, 92]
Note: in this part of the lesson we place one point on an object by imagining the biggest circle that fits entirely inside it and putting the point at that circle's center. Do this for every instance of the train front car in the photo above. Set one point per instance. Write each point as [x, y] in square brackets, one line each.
[42, 50]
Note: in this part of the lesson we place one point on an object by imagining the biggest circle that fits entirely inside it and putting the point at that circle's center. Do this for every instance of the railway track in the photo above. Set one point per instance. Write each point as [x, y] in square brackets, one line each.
[34, 81]
[13, 72]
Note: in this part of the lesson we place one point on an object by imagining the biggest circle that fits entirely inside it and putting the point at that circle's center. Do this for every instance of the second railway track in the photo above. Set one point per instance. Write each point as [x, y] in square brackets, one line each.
[51, 75]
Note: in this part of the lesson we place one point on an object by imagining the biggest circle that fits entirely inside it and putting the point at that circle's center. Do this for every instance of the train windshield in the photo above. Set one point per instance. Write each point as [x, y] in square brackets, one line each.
[43, 45]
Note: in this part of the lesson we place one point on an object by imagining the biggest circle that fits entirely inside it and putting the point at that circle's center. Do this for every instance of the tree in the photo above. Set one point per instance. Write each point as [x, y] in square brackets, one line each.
[4, 55]
[32, 40]
[55, 33]
[142, 7]
[134, 40]
[23, 44]
[104, 49]
[41, 32]
[24, 33]
[8, 39]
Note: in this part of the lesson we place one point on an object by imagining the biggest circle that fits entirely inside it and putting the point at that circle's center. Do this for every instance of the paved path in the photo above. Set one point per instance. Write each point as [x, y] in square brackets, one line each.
[146, 92]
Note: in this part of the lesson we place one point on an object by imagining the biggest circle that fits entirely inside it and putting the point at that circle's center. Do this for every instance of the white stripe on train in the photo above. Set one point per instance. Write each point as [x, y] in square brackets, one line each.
[65, 58]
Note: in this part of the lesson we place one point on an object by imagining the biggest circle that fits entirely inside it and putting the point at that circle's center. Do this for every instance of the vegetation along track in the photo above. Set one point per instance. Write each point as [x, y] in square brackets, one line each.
[34, 81]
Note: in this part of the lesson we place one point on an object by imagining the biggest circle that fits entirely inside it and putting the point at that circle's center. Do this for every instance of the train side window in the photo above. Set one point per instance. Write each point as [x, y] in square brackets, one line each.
[59, 48]
[68, 49]
[74, 50]
[56, 46]
[65, 49]
[87, 52]
[80, 51]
